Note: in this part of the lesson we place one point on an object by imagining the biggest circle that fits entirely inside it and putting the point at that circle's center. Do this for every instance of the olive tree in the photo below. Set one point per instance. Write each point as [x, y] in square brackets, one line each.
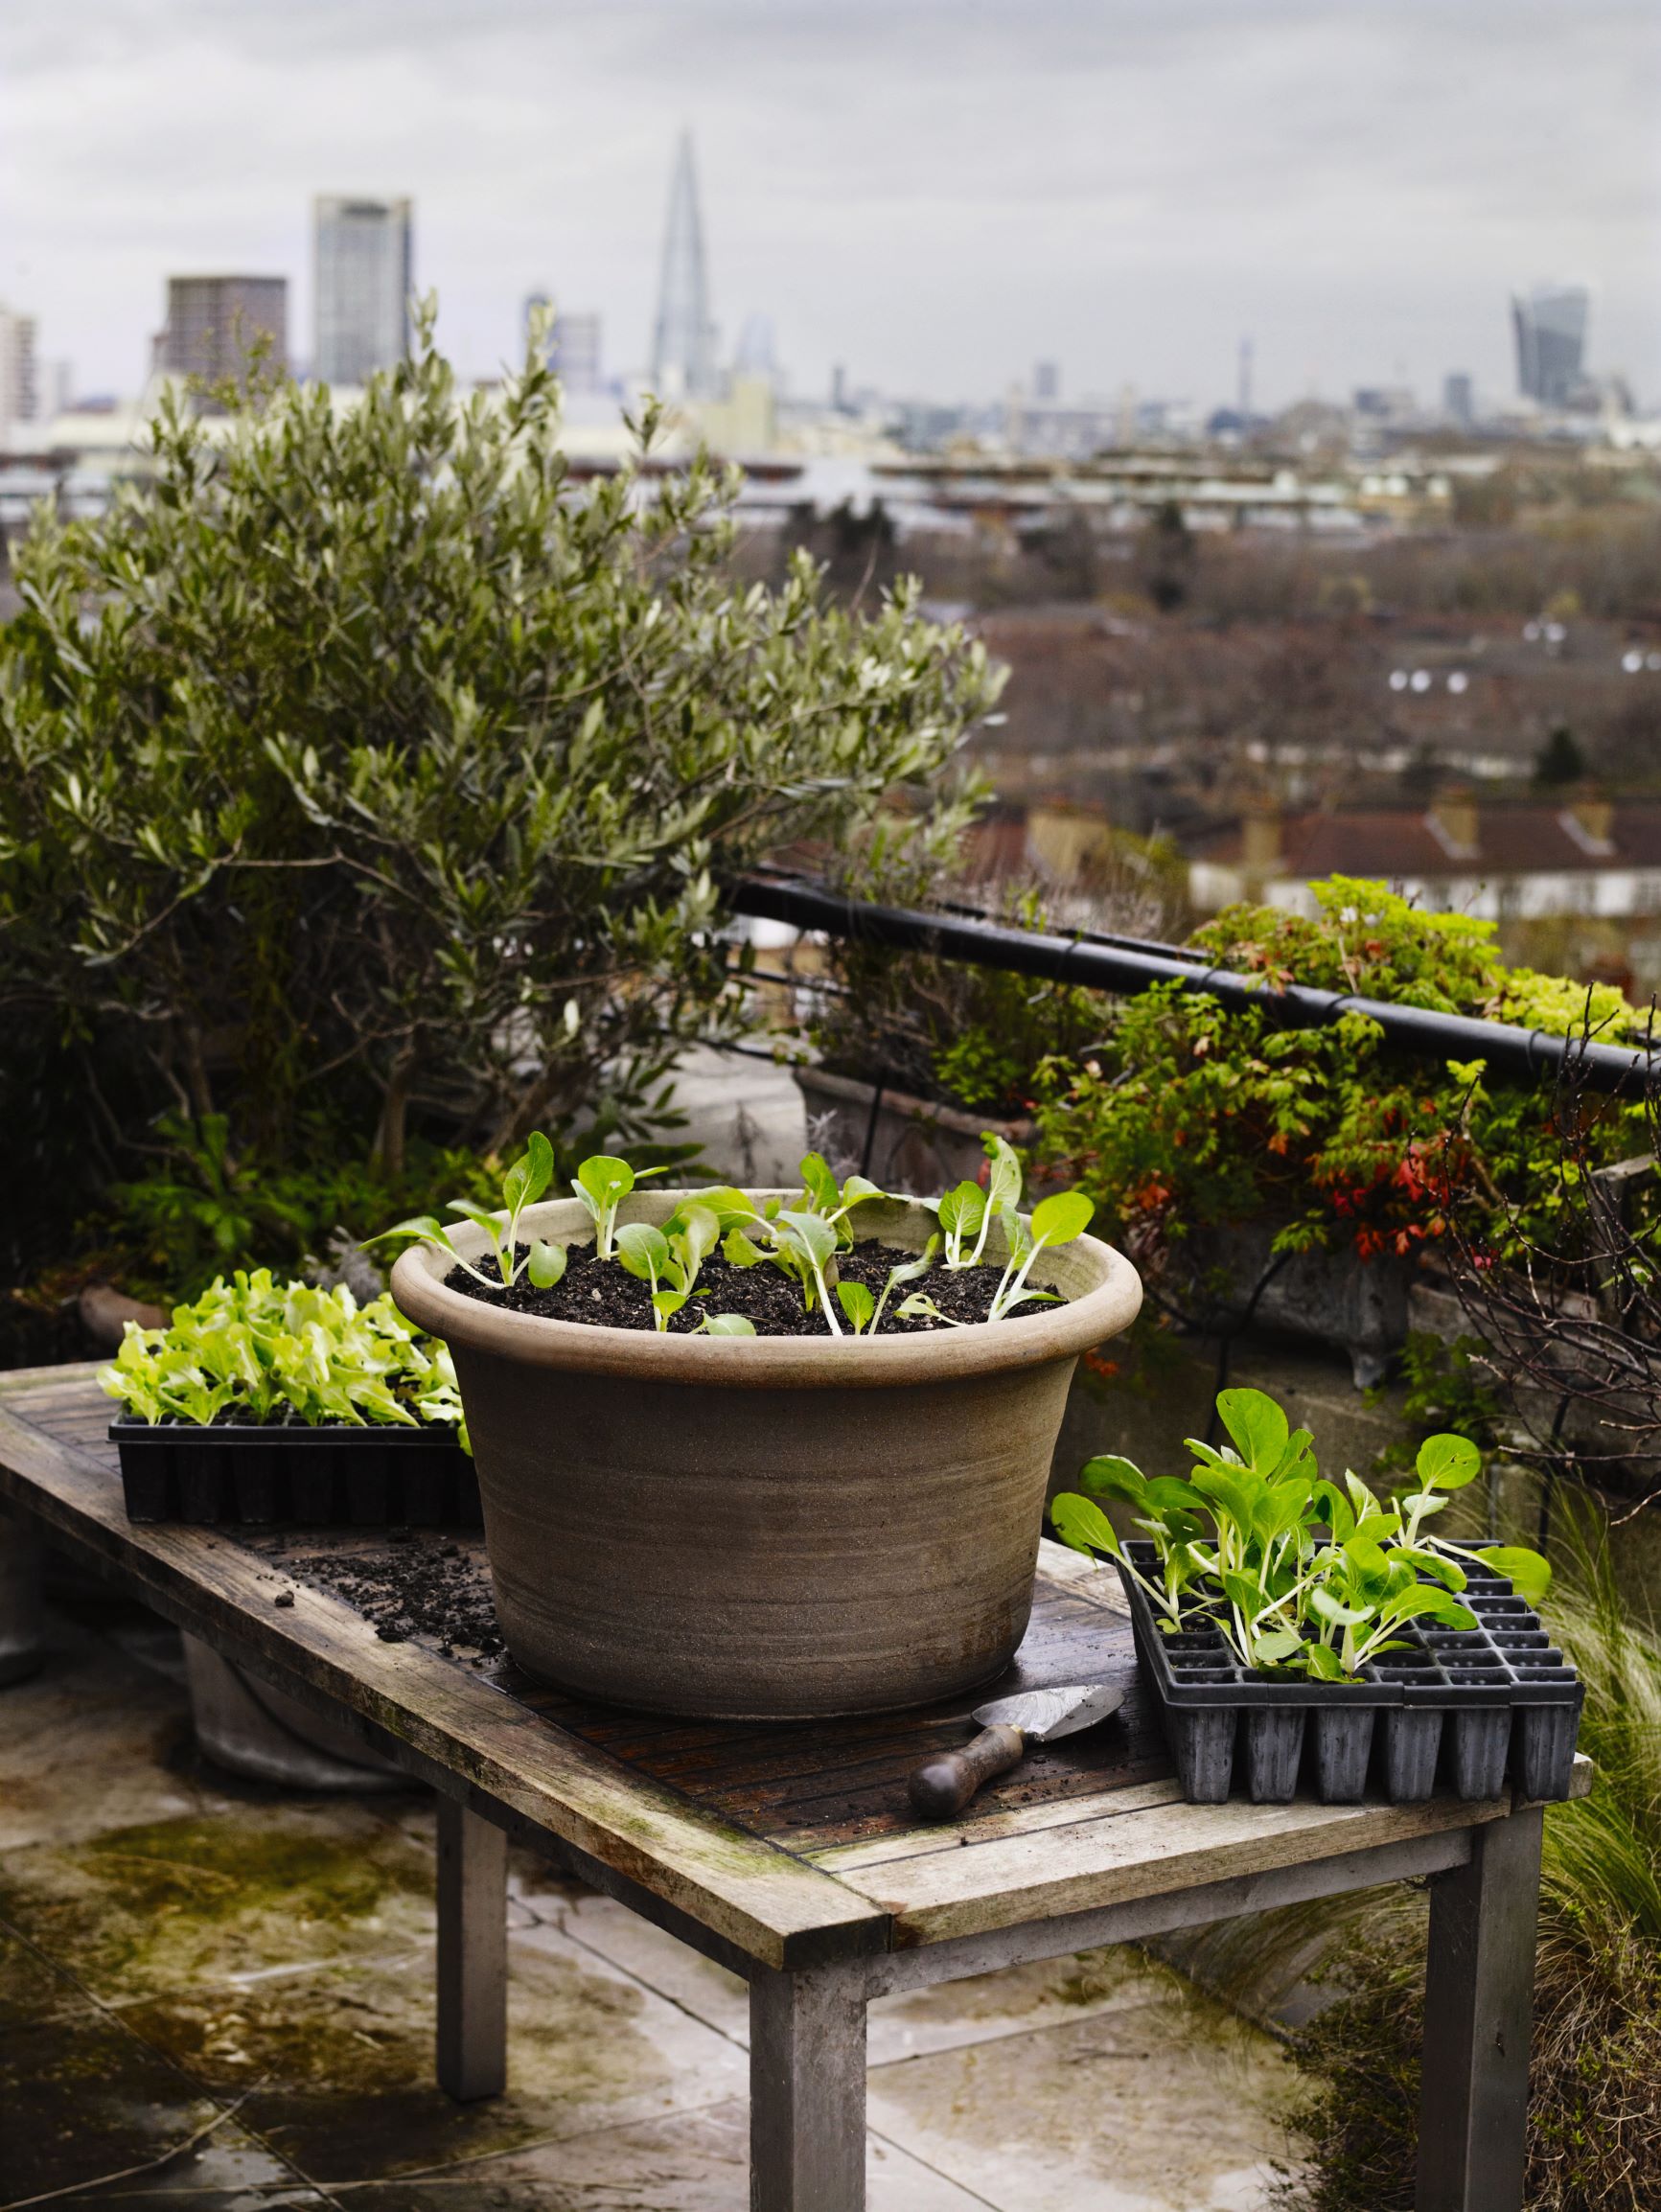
[362, 752]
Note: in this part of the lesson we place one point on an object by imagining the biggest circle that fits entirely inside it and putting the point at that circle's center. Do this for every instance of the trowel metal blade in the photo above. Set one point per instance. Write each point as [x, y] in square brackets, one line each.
[1043, 1714]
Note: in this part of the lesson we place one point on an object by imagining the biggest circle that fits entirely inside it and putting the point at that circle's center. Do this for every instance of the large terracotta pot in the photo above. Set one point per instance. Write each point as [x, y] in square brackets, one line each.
[765, 1526]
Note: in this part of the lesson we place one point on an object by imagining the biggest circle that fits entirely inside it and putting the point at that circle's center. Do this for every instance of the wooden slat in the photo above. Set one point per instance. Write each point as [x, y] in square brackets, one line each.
[1107, 1860]
[988, 1827]
[769, 1904]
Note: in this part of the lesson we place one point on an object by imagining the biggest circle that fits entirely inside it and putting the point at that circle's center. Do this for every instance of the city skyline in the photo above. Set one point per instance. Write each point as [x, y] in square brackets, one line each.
[1123, 190]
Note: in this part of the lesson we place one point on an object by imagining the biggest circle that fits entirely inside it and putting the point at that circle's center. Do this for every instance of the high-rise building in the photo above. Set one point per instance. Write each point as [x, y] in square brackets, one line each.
[577, 353]
[683, 337]
[1551, 331]
[1046, 383]
[214, 323]
[1459, 399]
[18, 395]
[363, 272]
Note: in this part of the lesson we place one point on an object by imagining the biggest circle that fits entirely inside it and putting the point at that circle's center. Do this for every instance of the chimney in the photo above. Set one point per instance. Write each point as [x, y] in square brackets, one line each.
[1260, 837]
[1589, 819]
[1452, 820]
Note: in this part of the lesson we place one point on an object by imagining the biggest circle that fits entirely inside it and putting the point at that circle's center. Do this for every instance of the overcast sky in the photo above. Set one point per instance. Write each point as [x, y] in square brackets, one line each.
[936, 193]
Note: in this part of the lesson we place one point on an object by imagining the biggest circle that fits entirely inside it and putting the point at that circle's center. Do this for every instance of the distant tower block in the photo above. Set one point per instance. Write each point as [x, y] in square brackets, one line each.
[363, 260]
[682, 338]
[1046, 382]
[1551, 332]
[1244, 400]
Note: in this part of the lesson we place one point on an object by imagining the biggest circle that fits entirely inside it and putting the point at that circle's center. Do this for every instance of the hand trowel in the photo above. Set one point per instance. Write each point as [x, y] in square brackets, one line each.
[944, 1785]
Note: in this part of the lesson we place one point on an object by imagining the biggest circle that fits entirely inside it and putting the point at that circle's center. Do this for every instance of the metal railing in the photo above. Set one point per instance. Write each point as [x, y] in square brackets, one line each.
[1126, 965]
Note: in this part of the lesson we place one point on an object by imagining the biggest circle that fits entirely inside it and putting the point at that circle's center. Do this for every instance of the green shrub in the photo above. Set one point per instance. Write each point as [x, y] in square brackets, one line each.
[363, 773]
[1193, 1115]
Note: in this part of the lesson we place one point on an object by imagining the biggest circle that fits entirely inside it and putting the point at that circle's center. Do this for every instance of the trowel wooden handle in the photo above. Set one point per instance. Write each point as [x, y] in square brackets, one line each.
[944, 1785]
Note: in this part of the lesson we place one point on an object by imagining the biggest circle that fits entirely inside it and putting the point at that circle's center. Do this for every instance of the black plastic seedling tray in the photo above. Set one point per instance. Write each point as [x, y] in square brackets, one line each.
[1468, 1706]
[322, 1477]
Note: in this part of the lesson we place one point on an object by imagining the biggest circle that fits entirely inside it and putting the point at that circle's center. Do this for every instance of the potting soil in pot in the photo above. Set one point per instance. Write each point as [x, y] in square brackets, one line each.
[604, 1294]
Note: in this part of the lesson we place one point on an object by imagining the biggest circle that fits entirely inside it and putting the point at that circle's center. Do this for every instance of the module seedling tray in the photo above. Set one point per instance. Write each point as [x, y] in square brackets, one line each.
[1469, 1706]
[320, 1477]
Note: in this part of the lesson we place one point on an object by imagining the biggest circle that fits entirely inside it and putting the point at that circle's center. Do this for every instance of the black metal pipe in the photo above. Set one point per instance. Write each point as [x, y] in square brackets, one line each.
[1126, 965]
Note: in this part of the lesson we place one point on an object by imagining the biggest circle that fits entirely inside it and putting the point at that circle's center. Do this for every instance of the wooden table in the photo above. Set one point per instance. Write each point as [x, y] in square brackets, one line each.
[788, 1853]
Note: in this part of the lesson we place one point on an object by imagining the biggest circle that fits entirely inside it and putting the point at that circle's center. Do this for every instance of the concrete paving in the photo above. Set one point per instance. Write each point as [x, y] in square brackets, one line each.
[186, 1959]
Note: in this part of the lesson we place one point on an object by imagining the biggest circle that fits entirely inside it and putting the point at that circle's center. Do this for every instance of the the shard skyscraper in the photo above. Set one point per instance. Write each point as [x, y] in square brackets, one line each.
[683, 336]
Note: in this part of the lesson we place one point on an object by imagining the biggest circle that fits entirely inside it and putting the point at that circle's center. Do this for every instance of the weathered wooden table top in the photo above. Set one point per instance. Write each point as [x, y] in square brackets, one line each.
[786, 1841]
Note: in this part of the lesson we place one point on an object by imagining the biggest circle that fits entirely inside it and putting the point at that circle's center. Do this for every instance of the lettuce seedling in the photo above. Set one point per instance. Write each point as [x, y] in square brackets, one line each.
[267, 1351]
[522, 1186]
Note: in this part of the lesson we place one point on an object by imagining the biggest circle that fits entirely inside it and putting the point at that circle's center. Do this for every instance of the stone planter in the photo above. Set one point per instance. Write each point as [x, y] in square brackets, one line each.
[764, 1527]
[1358, 1305]
[251, 1729]
[915, 1146]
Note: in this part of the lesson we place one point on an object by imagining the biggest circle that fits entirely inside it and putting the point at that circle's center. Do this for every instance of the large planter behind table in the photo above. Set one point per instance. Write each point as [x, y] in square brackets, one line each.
[1358, 1306]
[913, 1144]
[765, 1526]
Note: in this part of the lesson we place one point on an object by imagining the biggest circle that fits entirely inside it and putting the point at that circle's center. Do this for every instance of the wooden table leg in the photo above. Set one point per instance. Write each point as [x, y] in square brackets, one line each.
[807, 2090]
[473, 1953]
[1478, 2012]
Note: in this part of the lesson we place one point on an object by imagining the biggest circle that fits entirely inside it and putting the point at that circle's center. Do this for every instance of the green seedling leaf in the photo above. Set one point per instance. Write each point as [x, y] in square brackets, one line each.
[1447, 1462]
[727, 1324]
[818, 1183]
[1528, 1574]
[858, 1188]
[698, 1228]
[1109, 1476]
[732, 1208]
[1082, 1524]
[1004, 1180]
[547, 1264]
[816, 1235]
[427, 1226]
[1326, 1607]
[919, 1306]
[960, 1211]
[603, 1179]
[1425, 1601]
[1322, 1662]
[665, 1304]
[1061, 1217]
[1447, 1572]
[1257, 1424]
[644, 1251]
[1276, 1645]
[856, 1303]
[538, 1165]
[481, 1216]
[738, 1251]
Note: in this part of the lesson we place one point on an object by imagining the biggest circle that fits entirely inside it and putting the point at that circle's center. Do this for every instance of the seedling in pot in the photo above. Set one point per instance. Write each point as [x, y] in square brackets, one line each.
[966, 1214]
[602, 1183]
[864, 1314]
[671, 1258]
[522, 1186]
[1056, 1220]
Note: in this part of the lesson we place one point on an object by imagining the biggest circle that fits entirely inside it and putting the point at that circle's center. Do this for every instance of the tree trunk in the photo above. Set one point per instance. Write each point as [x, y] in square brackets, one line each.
[387, 1157]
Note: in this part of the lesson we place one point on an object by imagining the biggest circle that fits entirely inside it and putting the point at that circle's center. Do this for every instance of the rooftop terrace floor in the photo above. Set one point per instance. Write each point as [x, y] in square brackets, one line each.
[183, 1952]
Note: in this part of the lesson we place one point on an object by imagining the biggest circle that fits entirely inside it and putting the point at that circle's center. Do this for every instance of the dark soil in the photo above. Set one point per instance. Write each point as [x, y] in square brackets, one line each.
[423, 1584]
[606, 1294]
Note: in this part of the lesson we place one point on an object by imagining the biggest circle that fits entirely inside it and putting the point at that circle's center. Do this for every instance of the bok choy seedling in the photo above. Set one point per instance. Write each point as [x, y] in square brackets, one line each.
[1301, 1574]
[522, 1186]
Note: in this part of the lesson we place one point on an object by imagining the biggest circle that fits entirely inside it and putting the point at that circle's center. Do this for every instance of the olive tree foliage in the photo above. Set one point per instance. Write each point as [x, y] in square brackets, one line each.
[364, 753]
